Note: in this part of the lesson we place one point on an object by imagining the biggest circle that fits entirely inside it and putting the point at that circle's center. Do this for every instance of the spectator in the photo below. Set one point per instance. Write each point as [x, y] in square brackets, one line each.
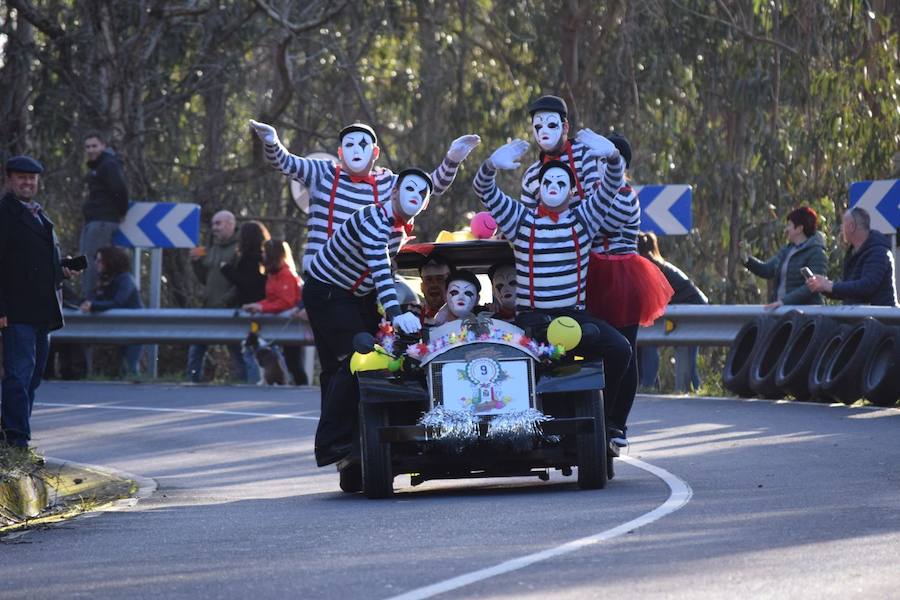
[686, 292]
[868, 276]
[434, 273]
[116, 289]
[282, 281]
[105, 206]
[247, 273]
[30, 277]
[805, 248]
[283, 292]
[219, 292]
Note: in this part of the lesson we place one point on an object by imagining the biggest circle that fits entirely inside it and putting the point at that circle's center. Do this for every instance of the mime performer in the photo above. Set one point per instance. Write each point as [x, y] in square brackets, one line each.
[337, 191]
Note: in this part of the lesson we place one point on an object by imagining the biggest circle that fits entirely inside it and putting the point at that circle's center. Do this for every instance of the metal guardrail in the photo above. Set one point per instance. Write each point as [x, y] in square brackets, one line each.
[178, 326]
[718, 324]
[682, 325]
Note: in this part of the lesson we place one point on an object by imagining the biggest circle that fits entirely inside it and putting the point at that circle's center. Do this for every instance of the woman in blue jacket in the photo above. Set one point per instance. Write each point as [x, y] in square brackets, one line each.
[805, 248]
[116, 289]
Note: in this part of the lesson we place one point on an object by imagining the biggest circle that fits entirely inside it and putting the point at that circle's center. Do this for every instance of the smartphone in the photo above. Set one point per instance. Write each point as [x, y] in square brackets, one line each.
[77, 263]
[807, 273]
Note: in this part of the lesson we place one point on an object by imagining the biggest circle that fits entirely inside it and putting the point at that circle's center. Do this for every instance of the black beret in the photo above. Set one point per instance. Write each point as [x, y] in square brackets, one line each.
[560, 165]
[464, 275]
[420, 173]
[23, 164]
[622, 145]
[357, 127]
[550, 104]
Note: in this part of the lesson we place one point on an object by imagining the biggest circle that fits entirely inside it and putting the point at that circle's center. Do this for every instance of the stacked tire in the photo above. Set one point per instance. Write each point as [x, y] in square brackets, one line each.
[815, 358]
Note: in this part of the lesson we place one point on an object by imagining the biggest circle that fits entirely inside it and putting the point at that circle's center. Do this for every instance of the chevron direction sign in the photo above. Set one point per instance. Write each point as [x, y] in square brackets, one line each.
[160, 225]
[665, 209]
[881, 199]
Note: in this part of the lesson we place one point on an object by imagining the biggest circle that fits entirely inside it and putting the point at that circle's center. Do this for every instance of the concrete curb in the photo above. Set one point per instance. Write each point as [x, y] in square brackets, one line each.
[145, 488]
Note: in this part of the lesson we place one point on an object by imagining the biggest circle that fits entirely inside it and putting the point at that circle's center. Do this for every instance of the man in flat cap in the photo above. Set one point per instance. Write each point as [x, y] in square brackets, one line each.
[30, 275]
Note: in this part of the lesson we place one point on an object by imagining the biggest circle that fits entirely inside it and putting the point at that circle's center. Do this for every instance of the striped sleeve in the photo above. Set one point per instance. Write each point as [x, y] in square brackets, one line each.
[530, 185]
[374, 238]
[302, 169]
[443, 176]
[506, 211]
[604, 200]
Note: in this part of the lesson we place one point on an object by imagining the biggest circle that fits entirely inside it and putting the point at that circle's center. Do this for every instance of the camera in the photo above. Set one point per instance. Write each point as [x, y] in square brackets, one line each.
[77, 263]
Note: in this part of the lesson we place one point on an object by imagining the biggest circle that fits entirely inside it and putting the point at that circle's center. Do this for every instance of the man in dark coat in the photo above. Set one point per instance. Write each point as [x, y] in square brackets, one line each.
[105, 205]
[868, 276]
[30, 277]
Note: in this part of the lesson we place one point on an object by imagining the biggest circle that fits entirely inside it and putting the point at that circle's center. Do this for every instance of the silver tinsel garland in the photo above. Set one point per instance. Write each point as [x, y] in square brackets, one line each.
[460, 429]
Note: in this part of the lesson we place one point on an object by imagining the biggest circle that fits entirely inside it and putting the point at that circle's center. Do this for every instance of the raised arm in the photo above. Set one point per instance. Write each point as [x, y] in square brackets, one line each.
[605, 201]
[443, 176]
[506, 211]
[305, 170]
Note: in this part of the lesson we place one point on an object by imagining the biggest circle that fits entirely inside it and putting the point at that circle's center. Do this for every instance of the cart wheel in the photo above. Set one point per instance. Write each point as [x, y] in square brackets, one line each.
[592, 460]
[377, 472]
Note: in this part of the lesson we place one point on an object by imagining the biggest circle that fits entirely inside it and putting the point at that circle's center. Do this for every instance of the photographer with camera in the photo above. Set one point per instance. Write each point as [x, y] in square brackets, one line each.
[30, 279]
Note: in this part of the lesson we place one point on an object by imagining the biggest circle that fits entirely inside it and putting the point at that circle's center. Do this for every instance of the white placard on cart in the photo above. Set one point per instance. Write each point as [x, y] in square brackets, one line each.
[485, 385]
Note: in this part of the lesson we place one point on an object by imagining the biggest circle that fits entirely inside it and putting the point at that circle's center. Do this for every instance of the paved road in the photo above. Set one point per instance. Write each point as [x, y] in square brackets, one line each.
[789, 500]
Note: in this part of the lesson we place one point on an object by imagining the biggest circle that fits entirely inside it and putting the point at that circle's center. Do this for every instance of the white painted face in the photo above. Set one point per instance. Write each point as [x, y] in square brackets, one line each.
[461, 298]
[548, 129]
[504, 283]
[413, 194]
[358, 152]
[555, 187]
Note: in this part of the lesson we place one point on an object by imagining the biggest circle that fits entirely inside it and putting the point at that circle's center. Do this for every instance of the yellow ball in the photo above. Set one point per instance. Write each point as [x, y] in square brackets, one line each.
[373, 361]
[565, 332]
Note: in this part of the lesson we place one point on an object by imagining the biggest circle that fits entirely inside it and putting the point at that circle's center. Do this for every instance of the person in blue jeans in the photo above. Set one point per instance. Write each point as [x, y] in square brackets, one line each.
[30, 276]
[686, 292]
[117, 289]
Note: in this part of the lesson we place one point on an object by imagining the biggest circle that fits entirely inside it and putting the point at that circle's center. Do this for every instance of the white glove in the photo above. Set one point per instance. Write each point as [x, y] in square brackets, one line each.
[265, 132]
[407, 323]
[461, 147]
[508, 155]
[598, 144]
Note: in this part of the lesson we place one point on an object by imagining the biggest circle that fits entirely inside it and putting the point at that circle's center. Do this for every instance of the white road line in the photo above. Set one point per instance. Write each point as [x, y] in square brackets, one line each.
[680, 494]
[198, 411]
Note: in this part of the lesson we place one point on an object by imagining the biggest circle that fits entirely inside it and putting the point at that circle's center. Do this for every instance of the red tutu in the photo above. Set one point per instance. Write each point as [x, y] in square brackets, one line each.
[626, 289]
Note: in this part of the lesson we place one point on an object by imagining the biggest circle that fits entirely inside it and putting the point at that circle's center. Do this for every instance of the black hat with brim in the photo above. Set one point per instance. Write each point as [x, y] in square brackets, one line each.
[23, 164]
[420, 173]
[361, 127]
[550, 164]
[464, 275]
[549, 104]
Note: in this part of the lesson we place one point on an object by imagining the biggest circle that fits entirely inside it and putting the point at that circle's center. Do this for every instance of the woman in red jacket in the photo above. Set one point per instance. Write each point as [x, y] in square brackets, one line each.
[282, 281]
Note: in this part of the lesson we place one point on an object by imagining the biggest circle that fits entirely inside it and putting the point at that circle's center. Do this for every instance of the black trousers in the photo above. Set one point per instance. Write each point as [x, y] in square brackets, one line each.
[335, 316]
[628, 388]
[605, 343]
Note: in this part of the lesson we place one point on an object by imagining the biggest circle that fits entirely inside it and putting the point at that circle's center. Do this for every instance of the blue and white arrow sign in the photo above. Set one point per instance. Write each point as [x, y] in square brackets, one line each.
[160, 225]
[665, 209]
[881, 199]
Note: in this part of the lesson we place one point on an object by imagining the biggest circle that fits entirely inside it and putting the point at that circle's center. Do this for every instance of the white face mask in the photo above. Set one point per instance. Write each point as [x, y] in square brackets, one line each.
[357, 151]
[548, 129]
[555, 187]
[461, 298]
[413, 194]
[504, 283]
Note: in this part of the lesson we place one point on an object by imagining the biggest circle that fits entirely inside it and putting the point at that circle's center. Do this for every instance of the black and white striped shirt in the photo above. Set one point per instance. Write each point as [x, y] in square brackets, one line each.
[624, 224]
[587, 171]
[551, 257]
[349, 197]
[358, 257]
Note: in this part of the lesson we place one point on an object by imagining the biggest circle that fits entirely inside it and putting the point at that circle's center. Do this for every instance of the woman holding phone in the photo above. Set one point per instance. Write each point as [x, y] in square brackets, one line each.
[804, 253]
